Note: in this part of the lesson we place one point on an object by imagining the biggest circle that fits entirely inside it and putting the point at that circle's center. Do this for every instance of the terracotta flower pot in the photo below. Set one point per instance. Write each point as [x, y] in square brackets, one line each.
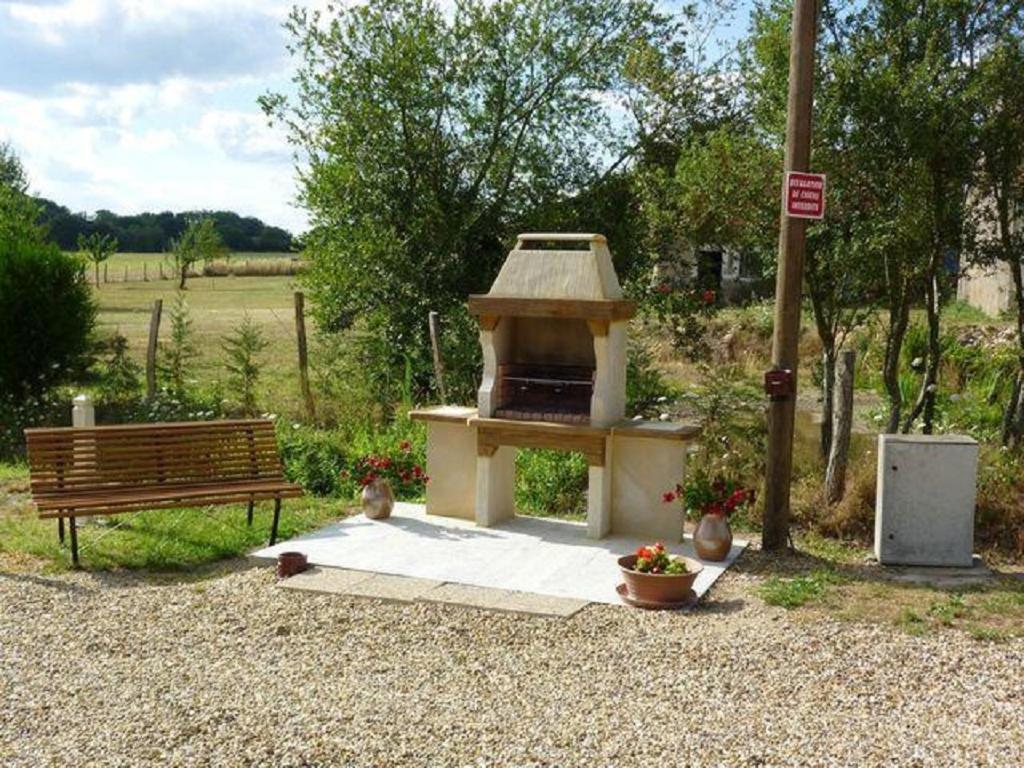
[291, 563]
[378, 500]
[659, 587]
[713, 538]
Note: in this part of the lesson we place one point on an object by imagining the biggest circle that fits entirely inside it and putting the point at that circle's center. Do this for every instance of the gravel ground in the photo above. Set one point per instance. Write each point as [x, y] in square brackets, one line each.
[229, 671]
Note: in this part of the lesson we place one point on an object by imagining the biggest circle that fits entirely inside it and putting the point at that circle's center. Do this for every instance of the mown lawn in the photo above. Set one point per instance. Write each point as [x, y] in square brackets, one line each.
[159, 540]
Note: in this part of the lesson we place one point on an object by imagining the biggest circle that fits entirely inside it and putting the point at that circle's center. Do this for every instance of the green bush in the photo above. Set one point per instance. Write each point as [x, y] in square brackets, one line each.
[551, 483]
[326, 462]
[46, 317]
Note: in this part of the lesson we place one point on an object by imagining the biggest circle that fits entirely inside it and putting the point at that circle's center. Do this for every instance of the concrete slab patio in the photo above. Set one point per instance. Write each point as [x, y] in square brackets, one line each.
[532, 555]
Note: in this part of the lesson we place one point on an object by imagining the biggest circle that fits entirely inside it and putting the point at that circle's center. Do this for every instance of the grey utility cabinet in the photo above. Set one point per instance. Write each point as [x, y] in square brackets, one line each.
[924, 507]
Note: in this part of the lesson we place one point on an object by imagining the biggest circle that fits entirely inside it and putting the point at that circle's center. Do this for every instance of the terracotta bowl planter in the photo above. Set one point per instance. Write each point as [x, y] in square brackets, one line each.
[290, 563]
[659, 587]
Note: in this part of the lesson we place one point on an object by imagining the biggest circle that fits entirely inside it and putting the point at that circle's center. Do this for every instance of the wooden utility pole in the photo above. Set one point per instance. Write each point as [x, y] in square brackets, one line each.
[154, 335]
[434, 324]
[300, 331]
[792, 239]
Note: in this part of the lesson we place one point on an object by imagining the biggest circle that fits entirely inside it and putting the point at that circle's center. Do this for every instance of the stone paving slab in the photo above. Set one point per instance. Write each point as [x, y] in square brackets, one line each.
[333, 580]
[383, 586]
[492, 599]
[342, 581]
[525, 554]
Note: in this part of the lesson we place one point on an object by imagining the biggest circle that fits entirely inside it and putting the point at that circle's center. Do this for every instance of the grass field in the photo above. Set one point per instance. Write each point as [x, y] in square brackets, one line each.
[216, 306]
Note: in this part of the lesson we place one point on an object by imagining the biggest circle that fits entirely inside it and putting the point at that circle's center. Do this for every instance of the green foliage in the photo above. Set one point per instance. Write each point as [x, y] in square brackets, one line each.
[328, 462]
[551, 483]
[46, 317]
[647, 391]
[120, 377]
[97, 248]
[243, 348]
[155, 232]
[730, 410]
[199, 242]
[798, 591]
[684, 311]
[433, 137]
[19, 412]
[177, 356]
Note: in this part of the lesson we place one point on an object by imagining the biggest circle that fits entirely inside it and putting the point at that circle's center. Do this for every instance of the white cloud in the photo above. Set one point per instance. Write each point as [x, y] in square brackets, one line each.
[127, 41]
[131, 105]
[242, 135]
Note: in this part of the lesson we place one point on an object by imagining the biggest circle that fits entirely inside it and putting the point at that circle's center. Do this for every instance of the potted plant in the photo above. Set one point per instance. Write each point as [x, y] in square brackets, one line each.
[380, 475]
[711, 502]
[652, 575]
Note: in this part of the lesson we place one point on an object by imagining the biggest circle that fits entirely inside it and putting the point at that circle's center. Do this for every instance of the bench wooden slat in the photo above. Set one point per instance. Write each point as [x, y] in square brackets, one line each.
[131, 467]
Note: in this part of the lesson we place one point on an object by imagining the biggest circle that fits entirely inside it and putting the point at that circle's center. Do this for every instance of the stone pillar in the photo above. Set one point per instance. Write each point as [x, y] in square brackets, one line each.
[599, 496]
[451, 464]
[495, 342]
[496, 487]
[83, 414]
[643, 469]
[608, 403]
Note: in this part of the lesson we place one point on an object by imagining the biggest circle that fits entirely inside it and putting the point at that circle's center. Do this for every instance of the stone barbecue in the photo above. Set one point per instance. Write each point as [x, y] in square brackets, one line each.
[553, 334]
[553, 338]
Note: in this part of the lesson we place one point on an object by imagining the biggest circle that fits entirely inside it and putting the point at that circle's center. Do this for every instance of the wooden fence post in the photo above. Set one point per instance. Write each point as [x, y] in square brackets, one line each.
[145, 272]
[125, 274]
[106, 278]
[434, 323]
[154, 335]
[835, 474]
[300, 331]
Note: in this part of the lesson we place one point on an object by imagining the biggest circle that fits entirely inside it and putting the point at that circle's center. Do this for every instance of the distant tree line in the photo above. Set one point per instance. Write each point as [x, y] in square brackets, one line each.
[156, 232]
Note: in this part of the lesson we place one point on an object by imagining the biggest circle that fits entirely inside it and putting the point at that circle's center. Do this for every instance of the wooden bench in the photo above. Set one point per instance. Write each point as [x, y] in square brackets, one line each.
[105, 470]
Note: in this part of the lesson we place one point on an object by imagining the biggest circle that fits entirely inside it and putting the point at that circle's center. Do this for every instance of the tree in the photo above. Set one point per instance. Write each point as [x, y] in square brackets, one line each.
[998, 201]
[12, 171]
[199, 242]
[178, 355]
[18, 213]
[97, 248]
[46, 317]
[431, 137]
[243, 348]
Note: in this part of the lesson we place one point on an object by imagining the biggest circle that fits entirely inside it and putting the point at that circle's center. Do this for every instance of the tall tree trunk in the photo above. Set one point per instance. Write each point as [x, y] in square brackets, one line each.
[835, 474]
[184, 274]
[1013, 432]
[828, 378]
[899, 318]
[926, 397]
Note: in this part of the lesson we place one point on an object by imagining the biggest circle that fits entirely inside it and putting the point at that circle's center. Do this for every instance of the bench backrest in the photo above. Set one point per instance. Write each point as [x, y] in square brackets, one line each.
[69, 459]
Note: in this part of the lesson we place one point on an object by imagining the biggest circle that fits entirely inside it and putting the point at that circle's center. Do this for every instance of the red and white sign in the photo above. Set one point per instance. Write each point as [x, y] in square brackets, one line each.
[804, 195]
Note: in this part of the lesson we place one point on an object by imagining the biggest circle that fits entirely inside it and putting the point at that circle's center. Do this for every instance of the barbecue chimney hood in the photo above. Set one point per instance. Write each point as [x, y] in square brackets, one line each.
[553, 333]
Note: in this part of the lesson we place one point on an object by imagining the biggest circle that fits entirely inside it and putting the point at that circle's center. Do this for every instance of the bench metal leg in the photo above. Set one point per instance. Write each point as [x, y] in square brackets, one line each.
[249, 515]
[60, 530]
[273, 526]
[74, 540]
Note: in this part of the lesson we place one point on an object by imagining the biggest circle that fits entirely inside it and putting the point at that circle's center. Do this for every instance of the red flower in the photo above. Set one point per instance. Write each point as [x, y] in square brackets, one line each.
[405, 445]
[417, 472]
[426, 479]
[715, 509]
[668, 497]
[664, 288]
[708, 296]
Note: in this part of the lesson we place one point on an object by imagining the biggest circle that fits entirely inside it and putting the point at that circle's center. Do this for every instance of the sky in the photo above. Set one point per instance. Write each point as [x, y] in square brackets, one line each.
[135, 105]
